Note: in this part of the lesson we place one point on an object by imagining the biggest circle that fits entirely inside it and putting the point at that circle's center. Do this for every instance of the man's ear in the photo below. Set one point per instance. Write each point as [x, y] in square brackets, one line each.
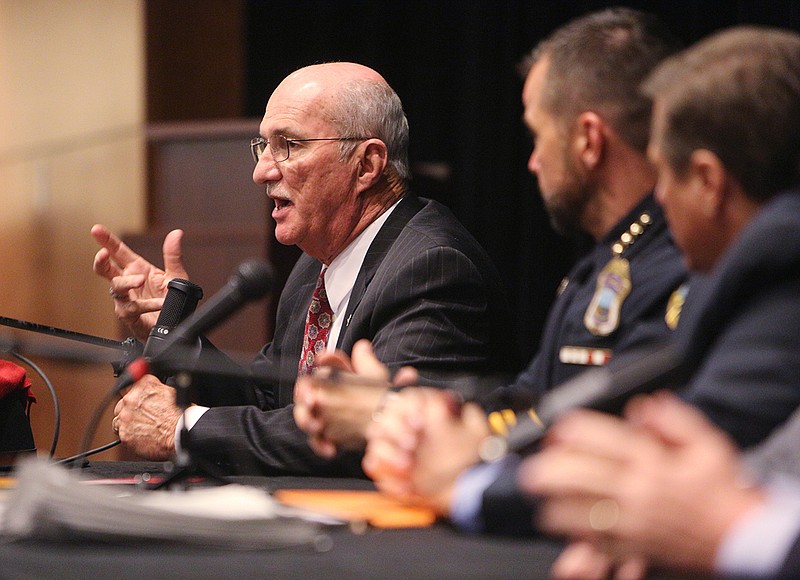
[372, 163]
[711, 180]
[589, 138]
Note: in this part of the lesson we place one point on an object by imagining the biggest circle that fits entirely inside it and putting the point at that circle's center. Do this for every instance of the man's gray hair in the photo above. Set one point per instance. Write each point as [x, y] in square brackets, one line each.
[367, 108]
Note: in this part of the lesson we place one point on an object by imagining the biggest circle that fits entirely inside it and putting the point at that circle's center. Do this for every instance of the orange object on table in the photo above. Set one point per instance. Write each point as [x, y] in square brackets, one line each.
[373, 507]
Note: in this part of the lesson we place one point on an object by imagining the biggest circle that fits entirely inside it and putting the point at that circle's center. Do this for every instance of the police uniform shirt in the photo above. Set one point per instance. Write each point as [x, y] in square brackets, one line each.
[614, 299]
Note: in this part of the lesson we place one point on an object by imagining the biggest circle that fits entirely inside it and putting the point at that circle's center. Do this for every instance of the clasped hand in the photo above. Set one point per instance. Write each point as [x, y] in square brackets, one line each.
[333, 411]
[417, 440]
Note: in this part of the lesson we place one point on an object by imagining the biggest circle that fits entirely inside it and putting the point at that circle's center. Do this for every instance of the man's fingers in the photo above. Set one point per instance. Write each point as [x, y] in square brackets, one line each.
[301, 415]
[383, 460]
[631, 568]
[670, 419]
[581, 561]
[336, 359]
[104, 266]
[133, 309]
[306, 409]
[122, 284]
[117, 249]
[173, 255]
[571, 516]
[398, 488]
[322, 447]
[406, 377]
[366, 363]
[302, 390]
[560, 472]
[601, 435]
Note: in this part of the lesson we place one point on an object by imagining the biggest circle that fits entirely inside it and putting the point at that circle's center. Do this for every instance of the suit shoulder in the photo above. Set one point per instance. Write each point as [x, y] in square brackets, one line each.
[436, 225]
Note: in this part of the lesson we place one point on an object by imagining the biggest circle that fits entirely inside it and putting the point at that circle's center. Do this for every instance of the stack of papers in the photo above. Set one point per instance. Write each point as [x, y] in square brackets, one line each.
[50, 502]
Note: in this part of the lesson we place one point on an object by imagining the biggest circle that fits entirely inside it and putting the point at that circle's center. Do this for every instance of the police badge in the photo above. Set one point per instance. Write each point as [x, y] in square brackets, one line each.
[613, 286]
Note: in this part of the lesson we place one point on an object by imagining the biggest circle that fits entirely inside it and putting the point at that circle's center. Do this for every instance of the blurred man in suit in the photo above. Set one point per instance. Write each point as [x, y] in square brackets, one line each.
[378, 263]
[666, 485]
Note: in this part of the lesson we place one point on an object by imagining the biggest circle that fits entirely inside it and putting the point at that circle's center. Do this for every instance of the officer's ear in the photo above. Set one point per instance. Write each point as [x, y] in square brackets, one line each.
[590, 138]
[372, 162]
[711, 181]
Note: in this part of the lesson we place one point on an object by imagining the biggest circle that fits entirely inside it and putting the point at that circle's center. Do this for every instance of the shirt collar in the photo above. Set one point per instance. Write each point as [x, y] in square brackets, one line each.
[343, 270]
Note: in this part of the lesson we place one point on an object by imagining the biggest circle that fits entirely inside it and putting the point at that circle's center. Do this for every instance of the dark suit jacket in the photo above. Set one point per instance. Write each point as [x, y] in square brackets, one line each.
[427, 295]
[791, 565]
[740, 331]
[740, 328]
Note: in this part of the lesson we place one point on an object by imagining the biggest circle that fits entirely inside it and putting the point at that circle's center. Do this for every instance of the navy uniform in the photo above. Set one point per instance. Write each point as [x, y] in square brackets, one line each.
[622, 295]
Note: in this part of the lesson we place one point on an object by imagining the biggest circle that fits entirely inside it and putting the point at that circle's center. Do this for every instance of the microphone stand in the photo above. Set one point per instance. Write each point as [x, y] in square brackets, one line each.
[130, 346]
[186, 465]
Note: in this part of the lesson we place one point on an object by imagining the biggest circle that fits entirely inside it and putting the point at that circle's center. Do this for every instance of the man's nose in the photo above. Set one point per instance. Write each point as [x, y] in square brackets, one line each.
[266, 169]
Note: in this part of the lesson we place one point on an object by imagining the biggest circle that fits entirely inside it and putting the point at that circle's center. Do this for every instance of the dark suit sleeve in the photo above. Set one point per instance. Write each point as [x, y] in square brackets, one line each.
[245, 439]
[505, 510]
[791, 565]
[748, 380]
[779, 453]
[228, 385]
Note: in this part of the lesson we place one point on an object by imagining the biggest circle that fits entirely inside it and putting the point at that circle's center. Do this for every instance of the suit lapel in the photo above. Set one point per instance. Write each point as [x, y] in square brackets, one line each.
[399, 218]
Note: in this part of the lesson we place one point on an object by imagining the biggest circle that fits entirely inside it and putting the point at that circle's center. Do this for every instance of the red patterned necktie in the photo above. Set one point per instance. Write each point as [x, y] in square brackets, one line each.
[318, 324]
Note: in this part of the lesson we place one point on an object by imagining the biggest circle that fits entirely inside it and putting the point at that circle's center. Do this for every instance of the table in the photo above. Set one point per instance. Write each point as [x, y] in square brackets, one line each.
[438, 552]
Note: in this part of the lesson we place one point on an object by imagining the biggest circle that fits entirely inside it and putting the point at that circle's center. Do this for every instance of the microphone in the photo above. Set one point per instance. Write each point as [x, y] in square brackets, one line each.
[181, 300]
[603, 389]
[252, 280]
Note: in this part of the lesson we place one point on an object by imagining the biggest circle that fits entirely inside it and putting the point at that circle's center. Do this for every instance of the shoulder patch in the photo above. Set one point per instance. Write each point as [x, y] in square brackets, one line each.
[675, 306]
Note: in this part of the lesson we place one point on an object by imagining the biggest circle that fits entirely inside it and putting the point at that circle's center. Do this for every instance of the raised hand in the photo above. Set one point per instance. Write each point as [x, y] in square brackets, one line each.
[137, 286]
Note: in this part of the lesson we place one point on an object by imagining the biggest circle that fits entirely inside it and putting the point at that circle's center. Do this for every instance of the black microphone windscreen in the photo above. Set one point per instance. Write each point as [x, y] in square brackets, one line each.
[181, 300]
[253, 279]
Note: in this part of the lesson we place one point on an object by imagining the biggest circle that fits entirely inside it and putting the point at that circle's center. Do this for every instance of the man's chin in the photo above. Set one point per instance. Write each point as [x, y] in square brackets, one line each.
[287, 238]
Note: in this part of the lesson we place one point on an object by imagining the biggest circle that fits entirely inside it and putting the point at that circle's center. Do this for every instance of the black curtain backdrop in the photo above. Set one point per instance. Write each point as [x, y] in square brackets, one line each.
[453, 63]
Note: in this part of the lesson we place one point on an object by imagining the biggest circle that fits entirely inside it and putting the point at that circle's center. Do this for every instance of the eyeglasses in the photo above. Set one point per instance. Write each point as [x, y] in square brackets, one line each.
[279, 145]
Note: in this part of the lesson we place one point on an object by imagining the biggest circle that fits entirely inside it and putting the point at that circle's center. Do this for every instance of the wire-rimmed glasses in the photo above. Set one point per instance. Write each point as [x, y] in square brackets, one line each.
[279, 145]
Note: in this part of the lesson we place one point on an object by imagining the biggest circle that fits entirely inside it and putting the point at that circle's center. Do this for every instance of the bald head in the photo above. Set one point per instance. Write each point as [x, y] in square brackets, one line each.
[341, 139]
[356, 100]
[332, 74]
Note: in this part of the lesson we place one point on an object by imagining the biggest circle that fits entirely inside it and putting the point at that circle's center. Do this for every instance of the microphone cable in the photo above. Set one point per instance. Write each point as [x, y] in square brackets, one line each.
[57, 417]
[85, 454]
[56, 407]
[91, 428]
